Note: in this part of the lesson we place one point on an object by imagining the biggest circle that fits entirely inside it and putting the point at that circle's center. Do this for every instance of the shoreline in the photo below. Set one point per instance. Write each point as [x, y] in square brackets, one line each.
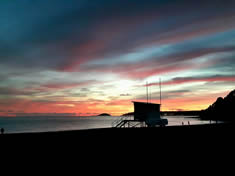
[191, 127]
[184, 121]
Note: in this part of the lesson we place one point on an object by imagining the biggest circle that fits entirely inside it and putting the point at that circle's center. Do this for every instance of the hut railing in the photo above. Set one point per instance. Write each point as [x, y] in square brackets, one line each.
[123, 118]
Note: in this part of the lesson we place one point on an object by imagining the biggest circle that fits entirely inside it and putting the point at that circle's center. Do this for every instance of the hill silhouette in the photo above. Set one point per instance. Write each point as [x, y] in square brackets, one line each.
[104, 114]
[223, 109]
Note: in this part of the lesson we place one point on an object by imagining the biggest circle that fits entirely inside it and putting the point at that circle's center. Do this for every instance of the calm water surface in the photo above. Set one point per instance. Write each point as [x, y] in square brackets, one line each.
[43, 124]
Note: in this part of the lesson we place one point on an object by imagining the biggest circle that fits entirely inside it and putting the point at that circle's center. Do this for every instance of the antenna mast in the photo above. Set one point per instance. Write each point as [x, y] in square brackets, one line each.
[147, 91]
[160, 91]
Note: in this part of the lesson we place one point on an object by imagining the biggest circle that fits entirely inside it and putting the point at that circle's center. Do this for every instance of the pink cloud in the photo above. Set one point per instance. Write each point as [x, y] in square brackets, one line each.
[112, 36]
[165, 64]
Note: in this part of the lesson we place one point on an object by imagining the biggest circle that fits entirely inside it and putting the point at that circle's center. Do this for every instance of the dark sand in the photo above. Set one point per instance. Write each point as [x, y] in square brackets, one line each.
[194, 143]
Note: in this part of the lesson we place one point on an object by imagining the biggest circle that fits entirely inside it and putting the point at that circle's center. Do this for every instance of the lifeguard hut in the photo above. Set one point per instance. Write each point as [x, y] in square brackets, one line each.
[145, 114]
[148, 113]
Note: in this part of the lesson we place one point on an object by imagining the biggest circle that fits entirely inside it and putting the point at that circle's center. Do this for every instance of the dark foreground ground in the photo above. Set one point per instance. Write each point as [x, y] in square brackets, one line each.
[198, 144]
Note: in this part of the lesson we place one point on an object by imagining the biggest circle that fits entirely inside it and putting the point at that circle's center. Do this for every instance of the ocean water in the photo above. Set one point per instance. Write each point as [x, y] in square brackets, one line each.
[45, 124]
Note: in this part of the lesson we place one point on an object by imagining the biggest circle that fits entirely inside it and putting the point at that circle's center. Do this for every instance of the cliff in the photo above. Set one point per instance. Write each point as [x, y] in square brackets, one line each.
[223, 109]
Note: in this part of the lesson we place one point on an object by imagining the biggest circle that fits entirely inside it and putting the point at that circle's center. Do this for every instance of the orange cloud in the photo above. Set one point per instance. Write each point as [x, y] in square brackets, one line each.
[93, 107]
[89, 107]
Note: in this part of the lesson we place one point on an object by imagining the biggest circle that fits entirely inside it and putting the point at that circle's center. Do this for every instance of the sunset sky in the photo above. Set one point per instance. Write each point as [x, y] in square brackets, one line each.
[90, 57]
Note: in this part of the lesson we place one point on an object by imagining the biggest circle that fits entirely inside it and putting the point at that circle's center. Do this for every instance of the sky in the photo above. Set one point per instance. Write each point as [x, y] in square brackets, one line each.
[79, 57]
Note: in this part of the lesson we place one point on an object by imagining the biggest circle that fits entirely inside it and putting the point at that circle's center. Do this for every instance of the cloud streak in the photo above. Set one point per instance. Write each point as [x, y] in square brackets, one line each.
[75, 33]
[60, 56]
[184, 60]
[67, 85]
[184, 80]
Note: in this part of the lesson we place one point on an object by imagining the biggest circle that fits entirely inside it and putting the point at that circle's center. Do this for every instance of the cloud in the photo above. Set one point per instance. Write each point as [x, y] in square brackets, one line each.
[68, 85]
[68, 35]
[207, 79]
[155, 96]
[119, 103]
[46, 90]
[125, 95]
[15, 92]
[84, 89]
[72, 45]
[64, 85]
[214, 78]
[173, 62]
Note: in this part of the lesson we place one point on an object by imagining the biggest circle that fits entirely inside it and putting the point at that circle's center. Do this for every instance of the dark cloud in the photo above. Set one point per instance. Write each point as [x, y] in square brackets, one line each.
[45, 89]
[6, 91]
[84, 89]
[125, 95]
[180, 91]
[80, 95]
[3, 77]
[63, 85]
[68, 34]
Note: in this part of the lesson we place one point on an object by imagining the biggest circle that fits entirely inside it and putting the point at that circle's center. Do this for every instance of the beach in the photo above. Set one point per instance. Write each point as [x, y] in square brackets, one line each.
[166, 145]
[218, 132]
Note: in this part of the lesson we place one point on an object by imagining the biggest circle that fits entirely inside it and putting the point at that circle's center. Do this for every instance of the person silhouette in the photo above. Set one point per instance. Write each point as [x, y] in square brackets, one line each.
[2, 130]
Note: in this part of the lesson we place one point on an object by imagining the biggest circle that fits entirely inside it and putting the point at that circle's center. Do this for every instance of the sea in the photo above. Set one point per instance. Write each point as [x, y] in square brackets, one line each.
[52, 123]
